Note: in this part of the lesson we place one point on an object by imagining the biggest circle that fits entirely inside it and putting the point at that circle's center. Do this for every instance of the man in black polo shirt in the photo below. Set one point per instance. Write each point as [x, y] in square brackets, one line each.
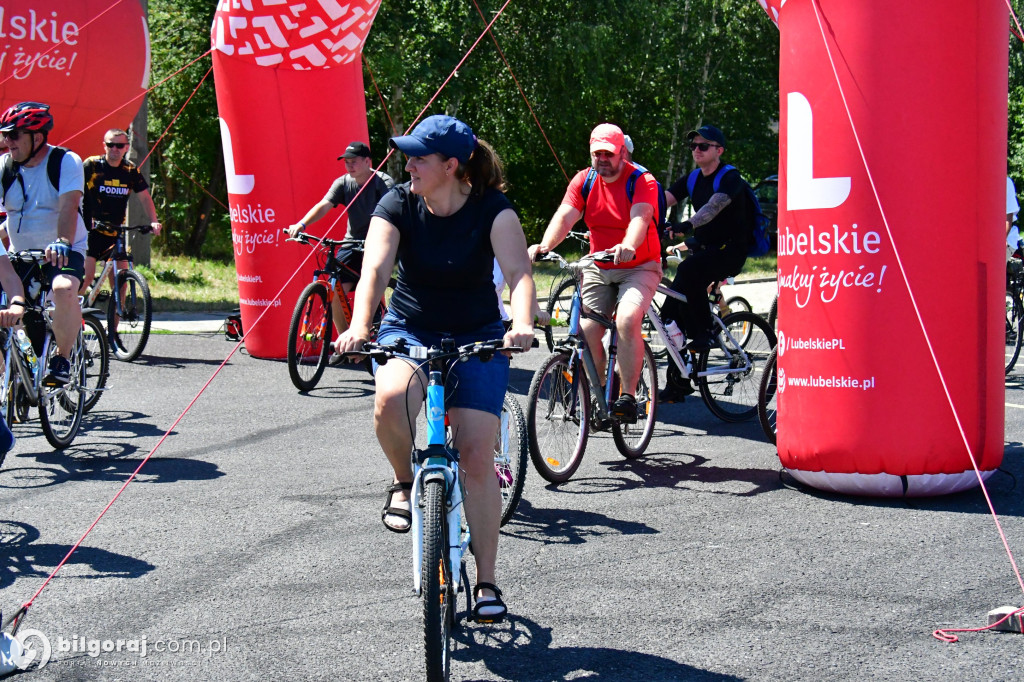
[109, 180]
[719, 242]
[360, 205]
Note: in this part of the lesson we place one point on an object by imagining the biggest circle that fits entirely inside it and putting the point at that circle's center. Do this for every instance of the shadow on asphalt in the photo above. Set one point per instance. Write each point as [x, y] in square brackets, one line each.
[57, 467]
[520, 649]
[20, 557]
[146, 360]
[567, 526]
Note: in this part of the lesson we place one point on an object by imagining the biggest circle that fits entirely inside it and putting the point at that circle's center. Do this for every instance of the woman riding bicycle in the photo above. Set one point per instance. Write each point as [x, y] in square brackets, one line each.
[445, 228]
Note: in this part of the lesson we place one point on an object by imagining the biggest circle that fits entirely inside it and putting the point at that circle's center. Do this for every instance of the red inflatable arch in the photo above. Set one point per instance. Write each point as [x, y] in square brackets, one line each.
[290, 97]
[889, 383]
[85, 58]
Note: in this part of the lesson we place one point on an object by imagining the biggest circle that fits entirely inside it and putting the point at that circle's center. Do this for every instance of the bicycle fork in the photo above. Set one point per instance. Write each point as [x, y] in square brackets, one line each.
[438, 461]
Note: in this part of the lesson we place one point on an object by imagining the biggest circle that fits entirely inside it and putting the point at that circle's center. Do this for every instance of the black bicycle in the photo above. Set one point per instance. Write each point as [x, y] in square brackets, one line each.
[1014, 311]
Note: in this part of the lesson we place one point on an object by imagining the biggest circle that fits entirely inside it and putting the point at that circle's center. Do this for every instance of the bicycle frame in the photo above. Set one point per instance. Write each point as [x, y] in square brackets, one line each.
[682, 364]
[120, 253]
[439, 459]
[581, 351]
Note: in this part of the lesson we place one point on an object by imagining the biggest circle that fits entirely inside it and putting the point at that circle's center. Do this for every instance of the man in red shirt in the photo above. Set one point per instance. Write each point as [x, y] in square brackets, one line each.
[628, 231]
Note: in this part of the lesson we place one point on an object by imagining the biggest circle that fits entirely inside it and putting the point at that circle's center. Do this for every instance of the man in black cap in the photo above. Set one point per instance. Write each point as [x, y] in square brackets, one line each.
[719, 242]
[360, 205]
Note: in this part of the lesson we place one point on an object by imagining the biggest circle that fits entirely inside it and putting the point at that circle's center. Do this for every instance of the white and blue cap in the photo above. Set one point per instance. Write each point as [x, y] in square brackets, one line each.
[438, 134]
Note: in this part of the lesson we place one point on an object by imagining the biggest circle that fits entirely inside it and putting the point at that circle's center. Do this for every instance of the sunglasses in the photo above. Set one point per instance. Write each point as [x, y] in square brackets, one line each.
[119, 145]
[12, 135]
[703, 146]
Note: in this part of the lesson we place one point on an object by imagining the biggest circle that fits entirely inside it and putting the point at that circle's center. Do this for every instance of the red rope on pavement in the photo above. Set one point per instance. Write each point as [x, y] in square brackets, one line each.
[945, 634]
[913, 301]
[523, 93]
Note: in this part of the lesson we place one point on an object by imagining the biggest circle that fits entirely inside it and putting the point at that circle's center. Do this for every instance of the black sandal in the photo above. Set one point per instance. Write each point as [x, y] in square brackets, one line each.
[490, 603]
[393, 510]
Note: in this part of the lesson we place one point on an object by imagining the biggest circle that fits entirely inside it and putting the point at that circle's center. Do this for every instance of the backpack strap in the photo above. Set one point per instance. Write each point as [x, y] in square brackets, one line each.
[588, 184]
[7, 175]
[722, 170]
[53, 166]
[691, 182]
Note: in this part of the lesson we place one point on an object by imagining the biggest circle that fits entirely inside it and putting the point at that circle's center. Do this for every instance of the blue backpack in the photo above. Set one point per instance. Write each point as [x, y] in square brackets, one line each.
[660, 218]
[759, 222]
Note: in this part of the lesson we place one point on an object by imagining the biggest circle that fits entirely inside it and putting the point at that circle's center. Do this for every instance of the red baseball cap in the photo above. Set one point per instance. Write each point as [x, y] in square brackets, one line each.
[606, 137]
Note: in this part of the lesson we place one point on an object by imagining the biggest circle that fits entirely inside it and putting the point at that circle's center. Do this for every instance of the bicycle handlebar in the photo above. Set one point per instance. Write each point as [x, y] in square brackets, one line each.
[485, 350]
[143, 229]
[305, 238]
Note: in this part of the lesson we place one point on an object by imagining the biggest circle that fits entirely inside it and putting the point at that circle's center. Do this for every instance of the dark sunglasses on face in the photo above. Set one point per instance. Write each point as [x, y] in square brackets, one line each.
[119, 145]
[703, 146]
[12, 135]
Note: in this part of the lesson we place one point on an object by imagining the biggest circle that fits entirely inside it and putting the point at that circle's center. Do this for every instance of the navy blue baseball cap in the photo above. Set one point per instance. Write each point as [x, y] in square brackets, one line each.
[708, 133]
[438, 134]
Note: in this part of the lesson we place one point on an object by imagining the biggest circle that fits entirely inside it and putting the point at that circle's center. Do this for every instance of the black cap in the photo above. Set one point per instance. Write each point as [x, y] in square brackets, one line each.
[708, 133]
[354, 150]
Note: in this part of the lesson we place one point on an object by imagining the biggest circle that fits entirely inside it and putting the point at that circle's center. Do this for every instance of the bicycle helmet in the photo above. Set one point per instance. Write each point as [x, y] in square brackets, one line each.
[32, 116]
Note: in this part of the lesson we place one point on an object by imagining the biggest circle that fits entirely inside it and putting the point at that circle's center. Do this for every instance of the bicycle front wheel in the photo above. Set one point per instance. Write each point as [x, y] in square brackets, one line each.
[436, 584]
[558, 417]
[1014, 329]
[632, 439]
[309, 337]
[129, 316]
[96, 359]
[559, 307]
[729, 375]
[510, 454]
[61, 407]
[767, 398]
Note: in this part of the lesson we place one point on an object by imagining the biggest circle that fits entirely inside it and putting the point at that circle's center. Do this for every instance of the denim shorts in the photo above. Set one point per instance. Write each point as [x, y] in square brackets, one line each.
[472, 384]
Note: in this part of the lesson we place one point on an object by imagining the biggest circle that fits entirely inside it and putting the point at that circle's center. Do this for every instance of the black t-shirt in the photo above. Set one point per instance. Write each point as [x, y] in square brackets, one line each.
[729, 226]
[107, 188]
[445, 264]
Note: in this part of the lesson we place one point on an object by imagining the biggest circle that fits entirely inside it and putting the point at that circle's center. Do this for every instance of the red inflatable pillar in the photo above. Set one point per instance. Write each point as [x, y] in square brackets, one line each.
[290, 98]
[893, 123]
[60, 52]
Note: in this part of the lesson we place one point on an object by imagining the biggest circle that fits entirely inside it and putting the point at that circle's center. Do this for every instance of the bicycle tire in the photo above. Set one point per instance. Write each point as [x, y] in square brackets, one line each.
[1014, 329]
[511, 452]
[559, 308]
[61, 407]
[767, 398]
[309, 337]
[773, 314]
[558, 417]
[129, 327]
[738, 304]
[632, 439]
[97, 360]
[6, 384]
[436, 584]
[732, 395]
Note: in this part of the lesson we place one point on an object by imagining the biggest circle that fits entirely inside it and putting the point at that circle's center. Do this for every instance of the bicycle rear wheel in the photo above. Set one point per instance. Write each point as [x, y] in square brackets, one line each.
[767, 398]
[510, 455]
[773, 314]
[632, 439]
[129, 322]
[1014, 329]
[729, 379]
[61, 407]
[309, 337]
[559, 307]
[436, 584]
[96, 359]
[558, 417]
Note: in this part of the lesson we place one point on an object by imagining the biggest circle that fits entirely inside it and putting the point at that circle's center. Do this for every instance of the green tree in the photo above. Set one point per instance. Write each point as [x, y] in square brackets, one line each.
[187, 165]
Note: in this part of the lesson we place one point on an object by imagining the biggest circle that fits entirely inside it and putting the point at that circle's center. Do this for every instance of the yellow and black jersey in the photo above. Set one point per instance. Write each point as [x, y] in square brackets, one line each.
[107, 188]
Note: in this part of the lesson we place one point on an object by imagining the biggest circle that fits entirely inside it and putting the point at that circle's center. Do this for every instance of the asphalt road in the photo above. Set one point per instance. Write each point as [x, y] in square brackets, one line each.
[254, 533]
